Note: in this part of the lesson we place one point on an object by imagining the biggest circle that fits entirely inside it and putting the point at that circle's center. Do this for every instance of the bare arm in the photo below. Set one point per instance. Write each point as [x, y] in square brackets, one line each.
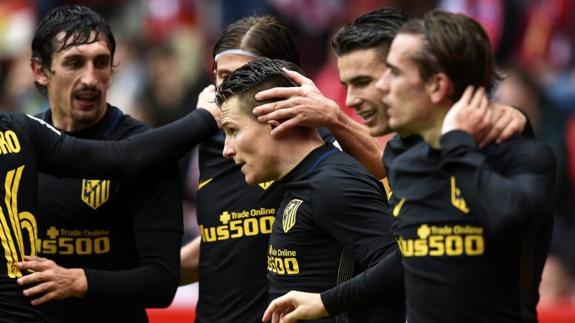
[190, 262]
[307, 106]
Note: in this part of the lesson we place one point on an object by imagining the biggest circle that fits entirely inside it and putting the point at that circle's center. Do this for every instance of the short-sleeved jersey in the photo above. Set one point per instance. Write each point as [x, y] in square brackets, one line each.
[28, 145]
[473, 227]
[235, 221]
[333, 217]
[101, 224]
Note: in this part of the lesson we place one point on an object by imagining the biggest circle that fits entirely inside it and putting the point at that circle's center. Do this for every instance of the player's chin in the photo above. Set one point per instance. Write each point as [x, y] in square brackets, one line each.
[249, 177]
[253, 179]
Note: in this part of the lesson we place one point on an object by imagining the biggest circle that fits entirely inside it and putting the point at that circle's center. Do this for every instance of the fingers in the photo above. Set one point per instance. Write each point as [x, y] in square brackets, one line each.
[34, 258]
[507, 122]
[270, 311]
[284, 127]
[45, 298]
[33, 278]
[509, 131]
[292, 316]
[280, 304]
[39, 289]
[278, 93]
[477, 98]
[467, 94]
[515, 127]
[34, 265]
[273, 111]
[297, 77]
[500, 119]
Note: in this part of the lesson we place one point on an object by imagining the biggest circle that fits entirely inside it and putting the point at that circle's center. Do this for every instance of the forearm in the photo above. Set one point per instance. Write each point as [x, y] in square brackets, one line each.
[190, 262]
[355, 140]
[128, 158]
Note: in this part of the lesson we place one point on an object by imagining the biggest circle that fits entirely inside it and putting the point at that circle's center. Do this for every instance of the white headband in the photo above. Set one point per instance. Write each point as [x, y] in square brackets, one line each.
[235, 51]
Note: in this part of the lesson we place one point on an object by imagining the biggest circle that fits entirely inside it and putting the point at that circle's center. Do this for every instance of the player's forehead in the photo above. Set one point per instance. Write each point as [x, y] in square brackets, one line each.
[403, 48]
[365, 62]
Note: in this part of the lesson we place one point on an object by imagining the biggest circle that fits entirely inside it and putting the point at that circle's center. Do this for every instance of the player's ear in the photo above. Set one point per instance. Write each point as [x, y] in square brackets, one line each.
[39, 72]
[439, 87]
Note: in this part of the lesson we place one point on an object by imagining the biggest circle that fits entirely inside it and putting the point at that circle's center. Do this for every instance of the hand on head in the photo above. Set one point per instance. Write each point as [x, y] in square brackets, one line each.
[470, 114]
[301, 106]
[486, 122]
[207, 101]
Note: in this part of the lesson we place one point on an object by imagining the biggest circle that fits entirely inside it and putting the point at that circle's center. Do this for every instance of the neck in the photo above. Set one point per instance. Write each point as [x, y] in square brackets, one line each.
[432, 133]
[68, 123]
[296, 148]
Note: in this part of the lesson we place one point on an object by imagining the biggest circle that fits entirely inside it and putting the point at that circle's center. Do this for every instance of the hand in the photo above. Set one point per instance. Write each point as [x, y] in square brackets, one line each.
[506, 122]
[301, 106]
[51, 281]
[207, 101]
[295, 306]
[470, 114]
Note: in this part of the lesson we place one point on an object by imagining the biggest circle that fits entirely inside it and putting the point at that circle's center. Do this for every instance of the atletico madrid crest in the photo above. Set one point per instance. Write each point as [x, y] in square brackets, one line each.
[95, 192]
[290, 214]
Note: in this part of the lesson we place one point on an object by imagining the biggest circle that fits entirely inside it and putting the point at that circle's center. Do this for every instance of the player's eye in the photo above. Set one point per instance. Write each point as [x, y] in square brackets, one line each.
[74, 63]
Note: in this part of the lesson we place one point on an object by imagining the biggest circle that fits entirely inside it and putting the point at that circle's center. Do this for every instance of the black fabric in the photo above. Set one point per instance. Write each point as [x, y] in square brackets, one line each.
[473, 227]
[28, 145]
[112, 229]
[331, 204]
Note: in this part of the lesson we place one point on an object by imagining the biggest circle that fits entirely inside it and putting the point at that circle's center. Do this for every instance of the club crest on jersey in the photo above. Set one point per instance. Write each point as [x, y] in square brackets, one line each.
[95, 192]
[290, 214]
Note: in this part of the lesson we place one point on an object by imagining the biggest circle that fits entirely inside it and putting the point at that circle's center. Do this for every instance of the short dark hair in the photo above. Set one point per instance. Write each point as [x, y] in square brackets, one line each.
[262, 35]
[258, 75]
[77, 23]
[375, 29]
[456, 45]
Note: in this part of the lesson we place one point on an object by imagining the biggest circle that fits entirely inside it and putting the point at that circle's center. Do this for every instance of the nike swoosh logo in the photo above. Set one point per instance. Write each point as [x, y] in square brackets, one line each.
[398, 207]
[204, 183]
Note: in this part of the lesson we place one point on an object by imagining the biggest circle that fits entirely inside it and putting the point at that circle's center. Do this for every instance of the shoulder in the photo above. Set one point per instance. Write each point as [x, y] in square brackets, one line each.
[396, 146]
[526, 151]
[341, 176]
[124, 125]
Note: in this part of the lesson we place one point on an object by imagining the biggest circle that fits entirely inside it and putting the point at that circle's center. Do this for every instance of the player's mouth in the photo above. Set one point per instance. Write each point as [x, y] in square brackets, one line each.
[87, 99]
[240, 164]
[368, 116]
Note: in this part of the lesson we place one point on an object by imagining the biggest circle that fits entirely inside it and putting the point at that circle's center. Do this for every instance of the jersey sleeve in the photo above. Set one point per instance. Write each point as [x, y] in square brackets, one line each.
[62, 155]
[514, 193]
[157, 235]
[385, 276]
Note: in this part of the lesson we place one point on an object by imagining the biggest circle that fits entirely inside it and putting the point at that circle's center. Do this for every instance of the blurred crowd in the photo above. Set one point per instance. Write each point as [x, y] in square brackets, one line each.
[164, 50]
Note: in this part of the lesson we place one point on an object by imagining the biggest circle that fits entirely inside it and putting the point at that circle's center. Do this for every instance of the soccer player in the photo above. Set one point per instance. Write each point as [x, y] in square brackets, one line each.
[100, 235]
[333, 213]
[28, 145]
[473, 225]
